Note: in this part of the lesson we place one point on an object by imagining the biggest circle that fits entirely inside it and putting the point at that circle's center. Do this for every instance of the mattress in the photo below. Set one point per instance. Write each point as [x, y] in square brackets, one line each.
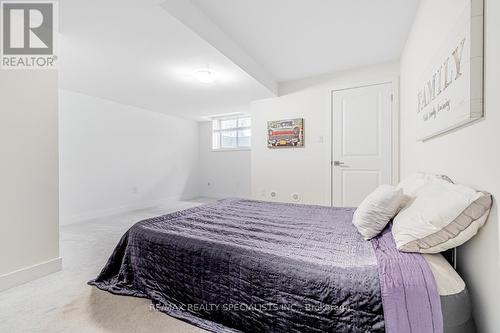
[248, 266]
[455, 299]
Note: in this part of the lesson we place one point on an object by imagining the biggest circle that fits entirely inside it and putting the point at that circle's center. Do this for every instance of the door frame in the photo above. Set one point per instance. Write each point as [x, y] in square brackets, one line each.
[395, 137]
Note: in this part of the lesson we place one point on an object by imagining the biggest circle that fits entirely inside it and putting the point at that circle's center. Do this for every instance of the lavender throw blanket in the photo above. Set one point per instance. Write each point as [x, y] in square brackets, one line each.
[250, 266]
[409, 295]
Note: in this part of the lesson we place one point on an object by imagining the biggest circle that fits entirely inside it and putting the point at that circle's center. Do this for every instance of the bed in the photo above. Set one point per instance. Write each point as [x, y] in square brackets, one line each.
[239, 265]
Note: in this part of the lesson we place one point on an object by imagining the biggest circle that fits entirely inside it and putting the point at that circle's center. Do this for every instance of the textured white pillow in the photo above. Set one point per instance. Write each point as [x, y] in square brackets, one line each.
[378, 208]
[441, 216]
[414, 182]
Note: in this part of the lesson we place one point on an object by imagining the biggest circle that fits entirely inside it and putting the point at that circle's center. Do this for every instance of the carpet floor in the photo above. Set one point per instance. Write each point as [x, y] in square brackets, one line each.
[63, 302]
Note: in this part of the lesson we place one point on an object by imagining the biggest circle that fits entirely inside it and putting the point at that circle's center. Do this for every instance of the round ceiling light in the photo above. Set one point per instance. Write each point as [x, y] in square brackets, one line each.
[205, 76]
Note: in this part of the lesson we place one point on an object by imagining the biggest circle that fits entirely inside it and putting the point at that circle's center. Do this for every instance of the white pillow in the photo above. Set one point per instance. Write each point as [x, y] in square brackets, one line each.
[378, 208]
[441, 216]
[413, 183]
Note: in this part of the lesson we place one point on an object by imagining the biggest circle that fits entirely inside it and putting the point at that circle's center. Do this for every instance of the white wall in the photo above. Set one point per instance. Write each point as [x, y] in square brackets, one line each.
[227, 172]
[305, 171]
[29, 225]
[468, 155]
[116, 157]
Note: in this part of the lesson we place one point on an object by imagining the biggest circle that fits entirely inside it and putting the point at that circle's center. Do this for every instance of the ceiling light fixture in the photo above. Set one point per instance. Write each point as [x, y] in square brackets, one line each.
[205, 76]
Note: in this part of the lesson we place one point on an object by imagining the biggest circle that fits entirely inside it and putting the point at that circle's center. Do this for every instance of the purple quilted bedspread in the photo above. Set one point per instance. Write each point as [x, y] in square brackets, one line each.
[250, 266]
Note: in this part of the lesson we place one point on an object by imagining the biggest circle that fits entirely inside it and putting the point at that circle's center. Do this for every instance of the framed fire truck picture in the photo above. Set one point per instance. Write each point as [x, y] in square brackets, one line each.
[285, 133]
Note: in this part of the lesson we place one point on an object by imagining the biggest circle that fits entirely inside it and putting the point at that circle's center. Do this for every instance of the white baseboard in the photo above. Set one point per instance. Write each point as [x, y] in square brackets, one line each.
[30, 273]
[77, 218]
[225, 195]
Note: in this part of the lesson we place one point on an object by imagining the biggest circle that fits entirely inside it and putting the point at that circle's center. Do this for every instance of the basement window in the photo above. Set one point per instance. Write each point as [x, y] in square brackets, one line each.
[231, 133]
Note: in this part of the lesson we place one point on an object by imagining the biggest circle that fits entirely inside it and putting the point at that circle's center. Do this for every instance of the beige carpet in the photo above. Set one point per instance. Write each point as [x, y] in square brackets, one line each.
[96, 311]
[63, 302]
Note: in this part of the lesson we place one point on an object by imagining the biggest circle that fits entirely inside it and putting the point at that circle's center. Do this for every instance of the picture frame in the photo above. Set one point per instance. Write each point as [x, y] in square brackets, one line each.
[286, 133]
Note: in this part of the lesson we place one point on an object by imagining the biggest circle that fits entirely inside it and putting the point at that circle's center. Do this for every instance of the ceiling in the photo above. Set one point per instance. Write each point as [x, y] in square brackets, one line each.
[134, 52]
[294, 39]
[144, 52]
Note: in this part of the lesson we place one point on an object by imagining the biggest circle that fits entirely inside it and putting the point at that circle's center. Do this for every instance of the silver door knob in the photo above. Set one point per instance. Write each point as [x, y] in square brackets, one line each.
[340, 164]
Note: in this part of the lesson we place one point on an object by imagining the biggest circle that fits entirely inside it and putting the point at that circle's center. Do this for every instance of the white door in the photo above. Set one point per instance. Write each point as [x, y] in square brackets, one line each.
[362, 142]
